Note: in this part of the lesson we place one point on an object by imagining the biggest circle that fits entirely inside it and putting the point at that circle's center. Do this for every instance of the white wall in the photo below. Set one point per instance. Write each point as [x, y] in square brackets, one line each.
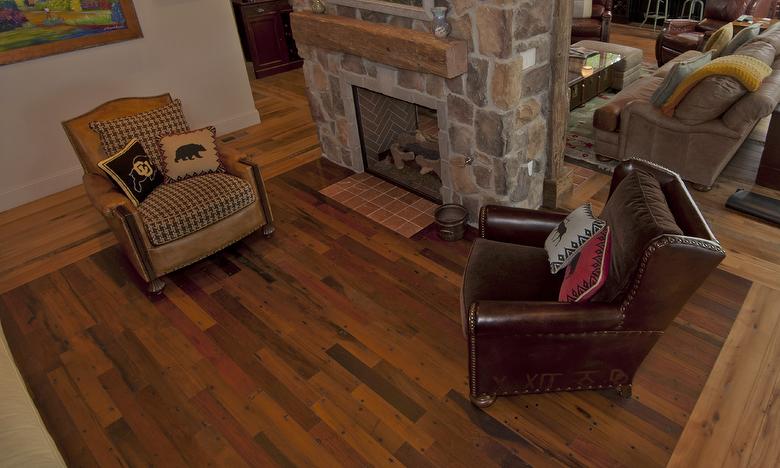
[190, 48]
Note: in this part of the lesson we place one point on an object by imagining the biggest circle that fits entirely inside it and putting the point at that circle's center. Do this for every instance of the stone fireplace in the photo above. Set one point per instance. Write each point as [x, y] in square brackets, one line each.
[491, 120]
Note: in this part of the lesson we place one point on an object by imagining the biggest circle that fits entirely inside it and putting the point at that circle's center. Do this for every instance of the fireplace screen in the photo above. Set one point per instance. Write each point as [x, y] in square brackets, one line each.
[399, 141]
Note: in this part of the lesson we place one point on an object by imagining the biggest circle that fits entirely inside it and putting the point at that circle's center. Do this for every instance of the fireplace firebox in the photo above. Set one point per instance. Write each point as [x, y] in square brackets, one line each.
[399, 142]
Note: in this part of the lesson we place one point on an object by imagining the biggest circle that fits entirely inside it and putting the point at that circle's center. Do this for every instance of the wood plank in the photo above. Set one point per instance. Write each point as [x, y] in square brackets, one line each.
[391, 45]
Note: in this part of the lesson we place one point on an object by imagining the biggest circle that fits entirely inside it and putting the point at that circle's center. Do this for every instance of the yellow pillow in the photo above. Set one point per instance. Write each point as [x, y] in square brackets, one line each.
[720, 38]
[747, 70]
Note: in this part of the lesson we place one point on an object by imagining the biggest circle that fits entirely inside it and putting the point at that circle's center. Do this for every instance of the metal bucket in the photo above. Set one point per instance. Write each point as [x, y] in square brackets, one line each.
[451, 219]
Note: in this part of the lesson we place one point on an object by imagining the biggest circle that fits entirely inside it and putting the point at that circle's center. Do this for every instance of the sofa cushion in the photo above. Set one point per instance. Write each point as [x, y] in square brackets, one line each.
[636, 213]
[747, 70]
[607, 117]
[571, 234]
[719, 39]
[760, 50]
[175, 210]
[679, 71]
[709, 99]
[147, 127]
[667, 67]
[499, 271]
[588, 272]
[190, 154]
[740, 39]
[133, 171]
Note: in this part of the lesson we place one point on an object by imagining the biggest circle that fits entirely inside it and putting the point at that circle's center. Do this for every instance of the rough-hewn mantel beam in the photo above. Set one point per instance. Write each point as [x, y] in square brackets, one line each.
[391, 45]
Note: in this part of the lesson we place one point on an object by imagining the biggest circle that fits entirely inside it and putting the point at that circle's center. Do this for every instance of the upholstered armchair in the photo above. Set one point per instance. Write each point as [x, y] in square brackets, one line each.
[595, 28]
[681, 35]
[176, 207]
[521, 340]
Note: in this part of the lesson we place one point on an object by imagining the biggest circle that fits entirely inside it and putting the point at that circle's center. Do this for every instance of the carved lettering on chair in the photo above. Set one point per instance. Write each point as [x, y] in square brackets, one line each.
[531, 380]
[617, 377]
[584, 378]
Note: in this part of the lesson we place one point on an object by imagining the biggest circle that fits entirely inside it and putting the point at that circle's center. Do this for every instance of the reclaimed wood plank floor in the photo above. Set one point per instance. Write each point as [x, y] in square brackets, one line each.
[336, 342]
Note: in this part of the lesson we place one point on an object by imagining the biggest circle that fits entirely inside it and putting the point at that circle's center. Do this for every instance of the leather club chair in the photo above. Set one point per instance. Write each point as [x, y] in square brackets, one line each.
[595, 28]
[521, 340]
[681, 35]
[154, 260]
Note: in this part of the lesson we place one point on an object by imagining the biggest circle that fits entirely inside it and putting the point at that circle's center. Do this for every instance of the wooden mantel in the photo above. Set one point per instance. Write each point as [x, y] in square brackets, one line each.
[390, 45]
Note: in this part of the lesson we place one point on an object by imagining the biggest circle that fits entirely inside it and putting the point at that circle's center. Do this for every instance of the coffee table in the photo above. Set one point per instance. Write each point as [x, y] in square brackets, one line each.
[584, 83]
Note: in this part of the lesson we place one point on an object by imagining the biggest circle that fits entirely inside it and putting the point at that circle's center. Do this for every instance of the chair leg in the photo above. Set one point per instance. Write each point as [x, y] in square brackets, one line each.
[155, 286]
[483, 401]
[268, 230]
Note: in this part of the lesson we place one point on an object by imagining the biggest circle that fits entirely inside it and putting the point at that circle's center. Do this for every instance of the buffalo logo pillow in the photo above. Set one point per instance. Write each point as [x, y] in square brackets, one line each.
[133, 171]
[190, 154]
[566, 240]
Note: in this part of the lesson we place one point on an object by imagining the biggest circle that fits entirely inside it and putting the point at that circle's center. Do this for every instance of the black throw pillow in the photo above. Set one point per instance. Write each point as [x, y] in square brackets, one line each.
[133, 171]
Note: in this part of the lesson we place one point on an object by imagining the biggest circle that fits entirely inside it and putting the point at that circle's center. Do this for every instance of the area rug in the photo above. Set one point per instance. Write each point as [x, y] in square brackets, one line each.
[393, 207]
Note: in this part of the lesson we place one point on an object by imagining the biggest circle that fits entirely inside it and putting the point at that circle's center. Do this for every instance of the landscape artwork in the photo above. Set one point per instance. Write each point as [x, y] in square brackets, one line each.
[35, 28]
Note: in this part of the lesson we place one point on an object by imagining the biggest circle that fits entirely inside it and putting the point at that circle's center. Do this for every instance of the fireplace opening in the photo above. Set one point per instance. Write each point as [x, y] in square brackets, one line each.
[400, 142]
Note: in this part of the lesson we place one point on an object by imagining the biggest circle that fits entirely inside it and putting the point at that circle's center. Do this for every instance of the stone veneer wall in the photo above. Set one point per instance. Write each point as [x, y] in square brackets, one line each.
[496, 112]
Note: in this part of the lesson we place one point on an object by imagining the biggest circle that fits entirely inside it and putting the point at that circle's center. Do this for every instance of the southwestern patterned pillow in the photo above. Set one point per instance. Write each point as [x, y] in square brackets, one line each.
[588, 271]
[147, 127]
[133, 171]
[190, 154]
[566, 240]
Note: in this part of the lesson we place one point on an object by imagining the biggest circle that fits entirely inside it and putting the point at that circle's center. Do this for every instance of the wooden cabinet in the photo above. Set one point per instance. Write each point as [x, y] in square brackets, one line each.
[266, 36]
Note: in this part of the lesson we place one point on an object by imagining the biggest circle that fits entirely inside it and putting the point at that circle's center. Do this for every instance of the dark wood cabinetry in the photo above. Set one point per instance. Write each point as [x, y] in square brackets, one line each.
[266, 36]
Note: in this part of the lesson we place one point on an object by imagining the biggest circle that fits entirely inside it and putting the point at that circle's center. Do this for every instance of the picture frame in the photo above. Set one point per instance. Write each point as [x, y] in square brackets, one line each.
[391, 8]
[33, 30]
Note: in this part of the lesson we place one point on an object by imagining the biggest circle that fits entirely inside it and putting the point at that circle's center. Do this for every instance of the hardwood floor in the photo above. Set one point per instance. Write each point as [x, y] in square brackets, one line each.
[337, 342]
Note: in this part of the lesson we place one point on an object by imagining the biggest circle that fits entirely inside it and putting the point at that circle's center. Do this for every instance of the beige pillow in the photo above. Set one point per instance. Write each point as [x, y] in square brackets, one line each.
[741, 38]
[719, 39]
[189, 154]
[709, 99]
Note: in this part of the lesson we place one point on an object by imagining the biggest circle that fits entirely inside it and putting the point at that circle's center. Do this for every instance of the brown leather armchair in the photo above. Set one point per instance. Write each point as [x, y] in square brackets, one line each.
[682, 35]
[521, 340]
[154, 260]
[595, 28]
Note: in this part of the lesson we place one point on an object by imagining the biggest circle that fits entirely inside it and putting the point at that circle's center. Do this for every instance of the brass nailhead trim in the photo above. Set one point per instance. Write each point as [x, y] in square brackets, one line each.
[210, 253]
[482, 221]
[473, 311]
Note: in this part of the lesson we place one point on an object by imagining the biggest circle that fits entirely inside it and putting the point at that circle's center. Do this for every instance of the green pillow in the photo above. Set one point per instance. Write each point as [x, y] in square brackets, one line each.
[675, 76]
[742, 38]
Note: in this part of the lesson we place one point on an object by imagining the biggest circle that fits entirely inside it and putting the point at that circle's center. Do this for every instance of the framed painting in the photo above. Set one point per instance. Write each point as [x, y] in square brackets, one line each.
[36, 28]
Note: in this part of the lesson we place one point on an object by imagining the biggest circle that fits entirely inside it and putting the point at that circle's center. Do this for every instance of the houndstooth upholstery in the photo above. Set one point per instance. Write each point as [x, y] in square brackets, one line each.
[175, 210]
[147, 127]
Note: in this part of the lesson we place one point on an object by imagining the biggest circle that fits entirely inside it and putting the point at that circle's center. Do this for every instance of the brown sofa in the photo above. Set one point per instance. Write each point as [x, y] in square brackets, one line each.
[521, 340]
[630, 126]
[595, 28]
[680, 36]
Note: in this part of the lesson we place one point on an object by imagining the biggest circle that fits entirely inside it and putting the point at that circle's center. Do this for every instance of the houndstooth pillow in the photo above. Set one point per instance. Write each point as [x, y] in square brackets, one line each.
[566, 240]
[147, 127]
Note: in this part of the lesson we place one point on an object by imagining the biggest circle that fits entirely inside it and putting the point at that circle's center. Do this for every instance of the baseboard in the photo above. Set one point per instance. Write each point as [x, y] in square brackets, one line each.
[237, 122]
[41, 187]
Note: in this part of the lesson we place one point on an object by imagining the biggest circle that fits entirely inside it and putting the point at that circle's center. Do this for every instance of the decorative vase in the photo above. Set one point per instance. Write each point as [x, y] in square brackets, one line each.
[317, 6]
[441, 28]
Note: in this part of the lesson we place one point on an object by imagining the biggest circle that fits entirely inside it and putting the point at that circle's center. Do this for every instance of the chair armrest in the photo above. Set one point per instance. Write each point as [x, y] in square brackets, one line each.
[240, 165]
[521, 317]
[679, 26]
[517, 225]
[104, 196]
